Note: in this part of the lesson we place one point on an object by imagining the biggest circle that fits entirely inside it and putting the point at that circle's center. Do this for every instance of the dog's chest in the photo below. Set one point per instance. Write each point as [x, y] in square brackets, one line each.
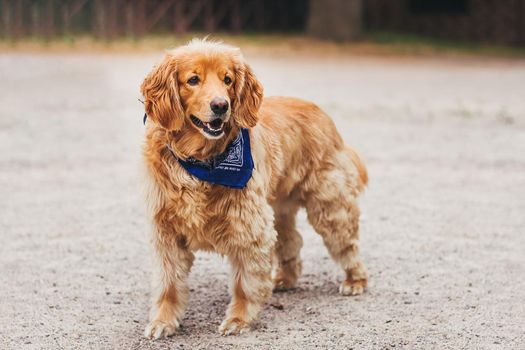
[209, 215]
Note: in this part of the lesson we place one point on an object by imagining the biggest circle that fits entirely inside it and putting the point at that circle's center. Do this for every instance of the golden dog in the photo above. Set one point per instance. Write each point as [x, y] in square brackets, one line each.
[197, 101]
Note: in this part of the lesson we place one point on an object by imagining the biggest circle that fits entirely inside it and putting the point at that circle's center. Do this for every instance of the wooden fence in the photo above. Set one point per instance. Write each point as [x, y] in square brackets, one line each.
[501, 21]
[497, 22]
[109, 19]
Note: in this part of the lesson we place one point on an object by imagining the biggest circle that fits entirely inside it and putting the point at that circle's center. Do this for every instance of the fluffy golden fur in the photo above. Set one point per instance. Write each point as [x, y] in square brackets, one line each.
[300, 161]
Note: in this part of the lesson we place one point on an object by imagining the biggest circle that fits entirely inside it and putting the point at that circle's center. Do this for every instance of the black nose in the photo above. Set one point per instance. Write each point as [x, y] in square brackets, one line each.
[219, 105]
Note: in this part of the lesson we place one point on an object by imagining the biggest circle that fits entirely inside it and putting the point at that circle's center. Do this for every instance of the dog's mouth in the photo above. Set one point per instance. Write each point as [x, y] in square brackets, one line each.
[213, 128]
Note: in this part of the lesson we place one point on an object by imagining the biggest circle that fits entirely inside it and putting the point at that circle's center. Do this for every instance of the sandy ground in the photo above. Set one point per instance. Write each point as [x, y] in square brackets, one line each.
[442, 228]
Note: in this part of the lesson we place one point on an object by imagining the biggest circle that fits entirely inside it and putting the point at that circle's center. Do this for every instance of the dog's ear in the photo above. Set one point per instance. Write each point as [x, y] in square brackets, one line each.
[248, 97]
[161, 95]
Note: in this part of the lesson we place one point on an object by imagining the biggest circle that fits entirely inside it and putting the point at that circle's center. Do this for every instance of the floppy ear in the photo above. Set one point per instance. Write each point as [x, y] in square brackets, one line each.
[249, 94]
[161, 95]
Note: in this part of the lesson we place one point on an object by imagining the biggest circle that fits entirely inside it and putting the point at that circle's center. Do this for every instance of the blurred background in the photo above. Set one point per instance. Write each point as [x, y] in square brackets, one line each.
[431, 93]
[481, 21]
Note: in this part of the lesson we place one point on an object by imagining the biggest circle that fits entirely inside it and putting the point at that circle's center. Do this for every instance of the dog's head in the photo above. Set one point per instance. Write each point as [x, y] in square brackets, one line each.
[203, 89]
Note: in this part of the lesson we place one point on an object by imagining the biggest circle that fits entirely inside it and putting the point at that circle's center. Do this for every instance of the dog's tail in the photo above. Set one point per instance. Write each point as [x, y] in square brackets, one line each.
[361, 169]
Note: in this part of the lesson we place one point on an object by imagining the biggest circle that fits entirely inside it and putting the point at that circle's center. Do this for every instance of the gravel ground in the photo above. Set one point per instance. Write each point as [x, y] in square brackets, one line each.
[442, 228]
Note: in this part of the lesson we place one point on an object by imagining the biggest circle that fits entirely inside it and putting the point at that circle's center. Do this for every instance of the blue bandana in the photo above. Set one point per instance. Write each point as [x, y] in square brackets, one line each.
[233, 168]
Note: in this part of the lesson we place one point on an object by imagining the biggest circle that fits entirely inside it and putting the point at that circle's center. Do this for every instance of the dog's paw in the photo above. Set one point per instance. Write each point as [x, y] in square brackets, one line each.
[159, 329]
[282, 284]
[233, 326]
[352, 287]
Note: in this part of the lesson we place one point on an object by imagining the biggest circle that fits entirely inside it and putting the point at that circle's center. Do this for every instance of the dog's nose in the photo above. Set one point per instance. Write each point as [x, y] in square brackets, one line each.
[219, 105]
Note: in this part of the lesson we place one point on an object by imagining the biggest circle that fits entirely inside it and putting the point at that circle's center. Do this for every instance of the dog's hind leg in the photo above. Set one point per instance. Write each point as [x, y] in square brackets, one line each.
[332, 209]
[289, 244]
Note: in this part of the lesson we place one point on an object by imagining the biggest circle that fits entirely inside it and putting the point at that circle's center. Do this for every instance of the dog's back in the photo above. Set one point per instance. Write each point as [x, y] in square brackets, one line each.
[307, 143]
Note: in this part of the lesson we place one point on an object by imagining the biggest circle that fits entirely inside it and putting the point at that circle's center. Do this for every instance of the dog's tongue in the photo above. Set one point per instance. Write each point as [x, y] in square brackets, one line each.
[216, 123]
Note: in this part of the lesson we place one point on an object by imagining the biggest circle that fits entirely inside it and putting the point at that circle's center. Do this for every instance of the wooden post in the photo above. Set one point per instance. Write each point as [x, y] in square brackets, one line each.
[335, 19]
[213, 14]
[140, 15]
[112, 29]
[35, 19]
[18, 29]
[100, 22]
[66, 18]
[69, 10]
[179, 18]
[50, 20]
[193, 11]
[235, 17]
[160, 11]
[6, 19]
[129, 10]
[209, 17]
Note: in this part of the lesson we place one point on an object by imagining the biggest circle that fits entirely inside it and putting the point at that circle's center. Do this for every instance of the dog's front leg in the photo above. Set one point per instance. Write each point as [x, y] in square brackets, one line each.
[251, 285]
[171, 290]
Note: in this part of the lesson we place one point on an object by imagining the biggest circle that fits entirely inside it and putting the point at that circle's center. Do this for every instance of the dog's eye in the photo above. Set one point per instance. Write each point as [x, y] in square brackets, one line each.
[194, 80]
[227, 80]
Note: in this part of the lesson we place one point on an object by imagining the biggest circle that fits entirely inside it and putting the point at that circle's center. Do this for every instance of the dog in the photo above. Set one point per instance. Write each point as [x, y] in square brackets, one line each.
[227, 170]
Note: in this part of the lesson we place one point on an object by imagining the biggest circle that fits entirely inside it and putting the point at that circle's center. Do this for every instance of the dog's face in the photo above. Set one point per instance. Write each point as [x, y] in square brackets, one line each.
[206, 89]
[203, 89]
